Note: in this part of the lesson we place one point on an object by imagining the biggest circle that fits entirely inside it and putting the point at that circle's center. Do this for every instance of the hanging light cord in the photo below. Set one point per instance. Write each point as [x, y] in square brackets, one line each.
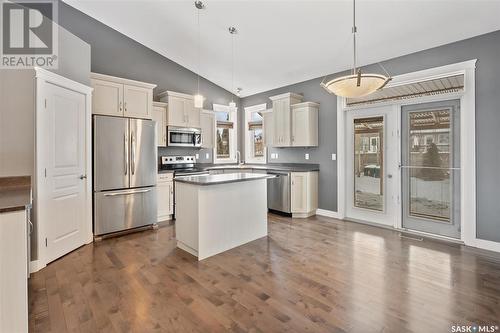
[199, 48]
[232, 65]
[354, 31]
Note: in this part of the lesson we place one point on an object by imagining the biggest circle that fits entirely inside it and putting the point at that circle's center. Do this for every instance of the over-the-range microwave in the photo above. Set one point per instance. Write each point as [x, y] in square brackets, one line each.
[183, 137]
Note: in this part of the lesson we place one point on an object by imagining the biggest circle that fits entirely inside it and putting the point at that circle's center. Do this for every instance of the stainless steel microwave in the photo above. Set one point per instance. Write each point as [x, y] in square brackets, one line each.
[183, 137]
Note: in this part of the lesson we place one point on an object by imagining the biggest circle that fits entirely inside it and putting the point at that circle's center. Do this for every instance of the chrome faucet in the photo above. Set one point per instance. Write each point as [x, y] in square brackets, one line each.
[238, 158]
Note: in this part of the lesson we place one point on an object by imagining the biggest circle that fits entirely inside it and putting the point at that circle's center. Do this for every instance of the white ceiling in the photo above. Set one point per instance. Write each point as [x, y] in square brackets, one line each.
[284, 42]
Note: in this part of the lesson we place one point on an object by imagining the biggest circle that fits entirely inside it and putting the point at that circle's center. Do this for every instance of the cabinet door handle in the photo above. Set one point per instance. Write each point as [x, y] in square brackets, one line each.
[121, 105]
[125, 105]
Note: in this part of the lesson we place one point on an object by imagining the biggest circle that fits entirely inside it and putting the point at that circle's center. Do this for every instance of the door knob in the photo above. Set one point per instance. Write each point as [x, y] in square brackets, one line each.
[83, 177]
[389, 176]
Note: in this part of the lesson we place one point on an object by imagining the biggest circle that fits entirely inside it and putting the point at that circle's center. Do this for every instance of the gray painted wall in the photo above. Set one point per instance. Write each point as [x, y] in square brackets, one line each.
[486, 49]
[115, 54]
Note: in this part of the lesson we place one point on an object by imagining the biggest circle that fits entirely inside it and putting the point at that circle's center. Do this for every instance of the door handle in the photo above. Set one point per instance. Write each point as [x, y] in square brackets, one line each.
[133, 154]
[125, 144]
[82, 177]
[126, 193]
[389, 176]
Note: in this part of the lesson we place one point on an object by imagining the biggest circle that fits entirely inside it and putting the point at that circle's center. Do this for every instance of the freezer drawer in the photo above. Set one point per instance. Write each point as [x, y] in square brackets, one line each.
[124, 209]
[278, 192]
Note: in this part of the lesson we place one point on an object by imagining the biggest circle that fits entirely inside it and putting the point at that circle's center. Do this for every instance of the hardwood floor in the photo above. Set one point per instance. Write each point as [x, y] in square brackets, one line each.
[311, 275]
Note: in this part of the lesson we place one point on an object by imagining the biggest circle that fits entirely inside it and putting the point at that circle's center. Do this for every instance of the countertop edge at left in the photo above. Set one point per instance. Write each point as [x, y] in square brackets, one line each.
[15, 193]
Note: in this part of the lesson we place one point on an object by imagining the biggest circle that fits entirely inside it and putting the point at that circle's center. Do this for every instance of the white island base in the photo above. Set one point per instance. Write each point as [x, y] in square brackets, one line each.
[214, 215]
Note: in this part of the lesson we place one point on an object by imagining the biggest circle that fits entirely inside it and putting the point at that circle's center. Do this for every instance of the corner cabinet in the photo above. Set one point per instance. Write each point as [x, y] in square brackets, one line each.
[165, 190]
[160, 116]
[181, 110]
[282, 120]
[207, 121]
[114, 96]
[304, 193]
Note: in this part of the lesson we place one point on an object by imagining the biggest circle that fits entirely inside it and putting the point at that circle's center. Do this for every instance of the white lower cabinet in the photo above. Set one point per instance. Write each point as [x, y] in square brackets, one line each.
[13, 272]
[165, 190]
[304, 193]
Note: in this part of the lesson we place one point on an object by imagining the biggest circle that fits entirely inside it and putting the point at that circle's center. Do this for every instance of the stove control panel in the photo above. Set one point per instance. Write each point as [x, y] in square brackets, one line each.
[178, 160]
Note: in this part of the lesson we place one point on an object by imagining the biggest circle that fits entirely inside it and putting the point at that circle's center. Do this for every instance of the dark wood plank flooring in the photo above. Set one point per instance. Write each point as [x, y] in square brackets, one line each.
[311, 275]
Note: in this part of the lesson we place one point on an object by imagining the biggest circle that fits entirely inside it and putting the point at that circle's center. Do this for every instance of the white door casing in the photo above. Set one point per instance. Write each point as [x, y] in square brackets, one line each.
[63, 170]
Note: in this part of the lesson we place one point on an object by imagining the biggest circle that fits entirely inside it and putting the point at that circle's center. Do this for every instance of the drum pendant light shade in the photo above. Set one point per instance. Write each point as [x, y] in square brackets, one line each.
[356, 85]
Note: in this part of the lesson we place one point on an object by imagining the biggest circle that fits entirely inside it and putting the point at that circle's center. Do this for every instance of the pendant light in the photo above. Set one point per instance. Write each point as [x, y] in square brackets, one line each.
[232, 31]
[357, 84]
[198, 98]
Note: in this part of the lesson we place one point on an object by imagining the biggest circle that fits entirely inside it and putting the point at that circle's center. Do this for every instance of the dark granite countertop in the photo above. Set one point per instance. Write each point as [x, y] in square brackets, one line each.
[204, 180]
[292, 167]
[15, 193]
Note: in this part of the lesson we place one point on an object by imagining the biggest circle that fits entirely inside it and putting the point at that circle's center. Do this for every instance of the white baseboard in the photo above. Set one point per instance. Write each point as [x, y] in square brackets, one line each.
[35, 266]
[328, 213]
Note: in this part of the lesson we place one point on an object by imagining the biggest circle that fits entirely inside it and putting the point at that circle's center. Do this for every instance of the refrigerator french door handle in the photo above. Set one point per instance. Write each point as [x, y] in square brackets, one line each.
[126, 193]
[125, 145]
[133, 153]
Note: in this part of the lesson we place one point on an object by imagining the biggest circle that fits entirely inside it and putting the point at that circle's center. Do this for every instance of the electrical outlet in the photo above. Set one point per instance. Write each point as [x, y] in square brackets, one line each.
[334, 157]
[197, 156]
[306, 156]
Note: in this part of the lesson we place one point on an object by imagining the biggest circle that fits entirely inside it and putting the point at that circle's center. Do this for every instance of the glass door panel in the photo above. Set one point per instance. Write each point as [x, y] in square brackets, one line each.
[368, 163]
[430, 168]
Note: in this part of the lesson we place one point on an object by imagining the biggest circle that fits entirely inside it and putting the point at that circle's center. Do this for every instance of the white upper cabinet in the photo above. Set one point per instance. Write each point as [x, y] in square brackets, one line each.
[181, 110]
[305, 124]
[282, 119]
[160, 116]
[137, 102]
[107, 98]
[207, 119]
[295, 123]
[114, 96]
[268, 126]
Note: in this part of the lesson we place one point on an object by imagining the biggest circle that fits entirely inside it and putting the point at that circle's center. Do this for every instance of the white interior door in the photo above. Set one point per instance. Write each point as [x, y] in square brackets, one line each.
[63, 190]
[372, 180]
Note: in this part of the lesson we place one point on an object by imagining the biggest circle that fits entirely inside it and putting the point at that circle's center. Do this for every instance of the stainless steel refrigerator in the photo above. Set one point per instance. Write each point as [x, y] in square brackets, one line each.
[125, 168]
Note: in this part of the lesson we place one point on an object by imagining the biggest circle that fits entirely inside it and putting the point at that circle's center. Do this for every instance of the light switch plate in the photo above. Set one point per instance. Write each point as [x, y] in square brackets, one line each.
[306, 156]
[334, 157]
[276, 155]
[207, 156]
[197, 156]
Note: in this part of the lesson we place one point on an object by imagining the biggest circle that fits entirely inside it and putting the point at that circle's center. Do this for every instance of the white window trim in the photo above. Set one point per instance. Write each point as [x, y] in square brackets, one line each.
[233, 116]
[246, 137]
[467, 147]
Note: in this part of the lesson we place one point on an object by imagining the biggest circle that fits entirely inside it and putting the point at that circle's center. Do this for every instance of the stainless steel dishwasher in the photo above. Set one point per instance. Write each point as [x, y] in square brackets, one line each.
[278, 191]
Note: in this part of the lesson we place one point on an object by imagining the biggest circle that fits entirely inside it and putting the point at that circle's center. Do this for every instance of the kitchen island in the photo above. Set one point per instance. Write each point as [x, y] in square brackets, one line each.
[215, 213]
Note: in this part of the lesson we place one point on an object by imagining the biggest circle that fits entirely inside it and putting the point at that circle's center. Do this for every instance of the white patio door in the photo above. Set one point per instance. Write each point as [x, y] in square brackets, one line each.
[63, 194]
[372, 180]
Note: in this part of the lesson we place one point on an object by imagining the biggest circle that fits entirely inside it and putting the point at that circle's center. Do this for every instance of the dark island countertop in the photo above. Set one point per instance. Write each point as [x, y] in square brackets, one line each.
[292, 167]
[204, 180]
[15, 193]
